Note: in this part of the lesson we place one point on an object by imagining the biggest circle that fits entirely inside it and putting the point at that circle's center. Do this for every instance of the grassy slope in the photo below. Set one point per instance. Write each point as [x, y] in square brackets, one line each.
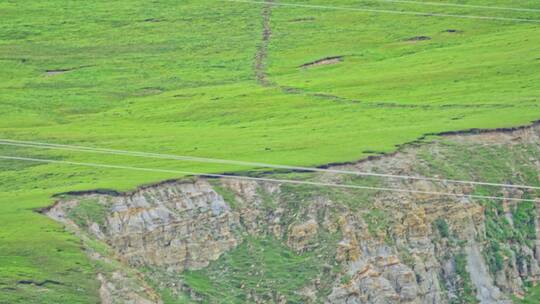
[263, 267]
[185, 85]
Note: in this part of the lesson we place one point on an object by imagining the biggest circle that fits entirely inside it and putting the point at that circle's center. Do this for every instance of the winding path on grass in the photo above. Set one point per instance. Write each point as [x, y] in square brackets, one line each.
[261, 56]
[262, 77]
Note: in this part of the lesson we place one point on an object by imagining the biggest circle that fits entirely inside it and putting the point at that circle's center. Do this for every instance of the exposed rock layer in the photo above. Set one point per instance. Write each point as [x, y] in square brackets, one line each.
[392, 247]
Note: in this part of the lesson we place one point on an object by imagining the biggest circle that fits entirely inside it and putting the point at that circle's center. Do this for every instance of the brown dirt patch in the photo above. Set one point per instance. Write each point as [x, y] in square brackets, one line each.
[52, 72]
[56, 72]
[418, 38]
[323, 61]
[306, 19]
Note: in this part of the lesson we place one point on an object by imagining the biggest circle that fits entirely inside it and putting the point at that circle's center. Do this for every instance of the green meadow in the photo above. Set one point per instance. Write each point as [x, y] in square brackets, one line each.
[179, 77]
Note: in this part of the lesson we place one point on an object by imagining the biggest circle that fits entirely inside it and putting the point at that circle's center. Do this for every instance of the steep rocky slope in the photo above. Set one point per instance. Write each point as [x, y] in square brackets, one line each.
[227, 240]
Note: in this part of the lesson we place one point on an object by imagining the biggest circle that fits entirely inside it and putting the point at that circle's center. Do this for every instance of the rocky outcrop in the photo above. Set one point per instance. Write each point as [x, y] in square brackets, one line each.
[174, 226]
[119, 289]
[388, 247]
[487, 292]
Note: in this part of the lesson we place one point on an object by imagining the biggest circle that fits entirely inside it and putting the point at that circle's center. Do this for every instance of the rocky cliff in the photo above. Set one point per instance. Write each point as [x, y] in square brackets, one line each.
[227, 240]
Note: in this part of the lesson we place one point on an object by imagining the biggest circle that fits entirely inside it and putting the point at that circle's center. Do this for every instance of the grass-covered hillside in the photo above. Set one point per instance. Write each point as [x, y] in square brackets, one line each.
[224, 79]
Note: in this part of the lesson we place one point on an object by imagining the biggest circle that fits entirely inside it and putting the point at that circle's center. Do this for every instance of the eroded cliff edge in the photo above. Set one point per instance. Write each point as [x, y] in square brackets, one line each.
[225, 240]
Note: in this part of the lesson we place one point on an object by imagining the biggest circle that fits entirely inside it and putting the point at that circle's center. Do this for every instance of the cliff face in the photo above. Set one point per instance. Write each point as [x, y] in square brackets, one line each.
[182, 241]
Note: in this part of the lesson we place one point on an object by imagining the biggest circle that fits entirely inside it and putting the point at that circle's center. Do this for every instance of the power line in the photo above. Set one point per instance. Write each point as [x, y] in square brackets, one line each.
[369, 10]
[262, 179]
[518, 9]
[33, 144]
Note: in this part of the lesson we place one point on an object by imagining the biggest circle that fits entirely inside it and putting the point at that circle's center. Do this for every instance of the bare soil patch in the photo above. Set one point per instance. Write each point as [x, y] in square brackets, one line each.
[306, 19]
[152, 20]
[323, 61]
[39, 283]
[52, 72]
[418, 38]
[150, 91]
[56, 72]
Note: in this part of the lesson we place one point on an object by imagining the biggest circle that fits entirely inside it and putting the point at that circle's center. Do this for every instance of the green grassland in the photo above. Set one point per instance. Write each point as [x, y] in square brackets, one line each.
[178, 77]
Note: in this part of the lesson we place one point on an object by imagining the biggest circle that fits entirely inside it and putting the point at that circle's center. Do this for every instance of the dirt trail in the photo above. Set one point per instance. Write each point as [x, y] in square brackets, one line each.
[261, 57]
[262, 52]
